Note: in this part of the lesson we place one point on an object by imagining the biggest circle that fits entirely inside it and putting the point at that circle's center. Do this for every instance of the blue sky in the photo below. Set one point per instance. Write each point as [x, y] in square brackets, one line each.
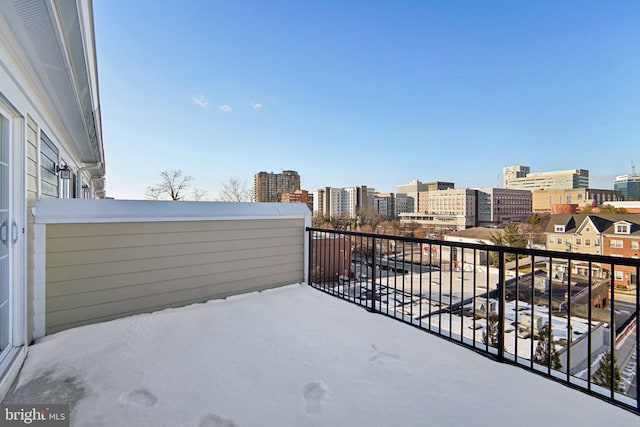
[370, 93]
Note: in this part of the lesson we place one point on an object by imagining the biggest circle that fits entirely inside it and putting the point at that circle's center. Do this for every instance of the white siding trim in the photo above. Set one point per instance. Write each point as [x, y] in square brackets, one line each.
[78, 211]
[39, 279]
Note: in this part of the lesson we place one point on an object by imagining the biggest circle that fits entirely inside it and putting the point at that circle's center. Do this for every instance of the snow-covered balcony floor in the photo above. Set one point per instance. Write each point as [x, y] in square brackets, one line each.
[291, 356]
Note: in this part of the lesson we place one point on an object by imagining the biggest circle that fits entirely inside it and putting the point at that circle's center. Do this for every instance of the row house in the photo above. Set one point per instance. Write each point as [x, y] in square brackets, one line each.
[616, 235]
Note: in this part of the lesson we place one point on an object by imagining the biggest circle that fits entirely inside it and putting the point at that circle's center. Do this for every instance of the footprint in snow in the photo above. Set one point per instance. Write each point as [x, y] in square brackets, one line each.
[379, 354]
[141, 398]
[214, 420]
[315, 394]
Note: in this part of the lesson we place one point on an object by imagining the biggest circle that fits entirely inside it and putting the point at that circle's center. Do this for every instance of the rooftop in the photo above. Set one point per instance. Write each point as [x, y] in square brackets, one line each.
[291, 356]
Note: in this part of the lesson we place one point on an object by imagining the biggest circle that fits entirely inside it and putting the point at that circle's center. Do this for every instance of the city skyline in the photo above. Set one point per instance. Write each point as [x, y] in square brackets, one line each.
[366, 93]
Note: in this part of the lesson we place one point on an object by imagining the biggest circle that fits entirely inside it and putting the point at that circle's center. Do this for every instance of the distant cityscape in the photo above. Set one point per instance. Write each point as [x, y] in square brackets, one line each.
[442, 208]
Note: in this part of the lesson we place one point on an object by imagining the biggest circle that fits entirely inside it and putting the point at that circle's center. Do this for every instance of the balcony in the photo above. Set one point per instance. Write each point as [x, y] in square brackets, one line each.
[277, 352]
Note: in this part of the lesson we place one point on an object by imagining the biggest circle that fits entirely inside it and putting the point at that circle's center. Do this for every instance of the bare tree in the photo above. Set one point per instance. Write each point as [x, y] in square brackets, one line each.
[235, 190]
[198, 194]
[173, 184]
[153, 193]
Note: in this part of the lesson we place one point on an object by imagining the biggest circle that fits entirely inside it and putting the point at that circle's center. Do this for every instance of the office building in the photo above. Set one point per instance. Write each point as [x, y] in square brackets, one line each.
[544, 200]
[629, 186]
[555, 180]
[512, 172]
[499, 206]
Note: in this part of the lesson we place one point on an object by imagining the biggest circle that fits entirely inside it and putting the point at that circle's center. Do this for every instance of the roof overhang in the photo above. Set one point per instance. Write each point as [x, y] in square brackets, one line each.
[57, 37]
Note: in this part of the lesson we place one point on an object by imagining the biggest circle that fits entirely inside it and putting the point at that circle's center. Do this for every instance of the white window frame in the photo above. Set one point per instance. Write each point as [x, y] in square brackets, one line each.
[559, 228]
[616, 244]
[622, 229]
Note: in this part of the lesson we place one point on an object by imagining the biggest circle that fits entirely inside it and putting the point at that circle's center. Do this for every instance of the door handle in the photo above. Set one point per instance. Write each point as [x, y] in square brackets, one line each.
[14, 232]
[3, 233]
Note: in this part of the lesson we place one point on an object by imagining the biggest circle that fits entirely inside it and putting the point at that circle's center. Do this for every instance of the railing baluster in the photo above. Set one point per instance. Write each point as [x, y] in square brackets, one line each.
[589, 326]
[501, 305]
[411, 278]
[550, 323]
[475, 273]
[440, 294]
[420, 278]
[430, 283]
[462, 298]
[569, 329]
[612, 331]
[516, 307]
[451, 268]
[637, 338]
[532, 318]
[372, 294]
[310, 254]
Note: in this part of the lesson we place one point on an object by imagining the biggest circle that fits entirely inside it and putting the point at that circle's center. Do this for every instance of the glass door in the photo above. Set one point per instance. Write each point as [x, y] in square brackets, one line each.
[5, 238]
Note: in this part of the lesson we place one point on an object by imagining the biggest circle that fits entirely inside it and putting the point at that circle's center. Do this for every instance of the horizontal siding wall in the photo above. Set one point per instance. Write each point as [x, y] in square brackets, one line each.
[101, 271]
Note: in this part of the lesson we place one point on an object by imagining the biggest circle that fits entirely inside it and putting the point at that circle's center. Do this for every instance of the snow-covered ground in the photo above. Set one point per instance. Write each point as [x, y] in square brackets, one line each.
[291, 356]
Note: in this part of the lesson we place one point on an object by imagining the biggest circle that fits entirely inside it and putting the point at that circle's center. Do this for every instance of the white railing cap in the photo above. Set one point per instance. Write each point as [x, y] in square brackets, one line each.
[64, 211]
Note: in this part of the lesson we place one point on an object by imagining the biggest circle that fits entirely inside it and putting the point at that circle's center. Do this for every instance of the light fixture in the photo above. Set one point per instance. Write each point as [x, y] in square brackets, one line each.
[64, 172]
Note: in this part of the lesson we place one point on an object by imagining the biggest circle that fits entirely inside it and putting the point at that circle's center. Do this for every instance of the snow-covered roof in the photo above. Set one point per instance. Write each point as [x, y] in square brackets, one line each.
[291, 356]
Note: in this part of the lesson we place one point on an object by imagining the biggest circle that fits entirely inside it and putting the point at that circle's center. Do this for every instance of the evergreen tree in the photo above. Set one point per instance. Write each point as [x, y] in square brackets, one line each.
[545, 351]
[510, 236]
[534, 219]
[602, 376]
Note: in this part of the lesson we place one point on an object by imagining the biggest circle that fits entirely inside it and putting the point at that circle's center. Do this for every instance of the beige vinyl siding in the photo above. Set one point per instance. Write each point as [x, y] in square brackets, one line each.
[102, 271]
[32, 196]
[49, 159]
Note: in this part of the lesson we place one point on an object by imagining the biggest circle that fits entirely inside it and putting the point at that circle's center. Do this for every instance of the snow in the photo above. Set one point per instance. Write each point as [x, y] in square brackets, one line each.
[293, 356]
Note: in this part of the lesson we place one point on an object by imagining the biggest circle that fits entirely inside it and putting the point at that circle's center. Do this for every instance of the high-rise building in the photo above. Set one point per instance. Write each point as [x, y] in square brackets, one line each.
[511, 172]
[384, 205]
[555, 180]
[403, 204]
[322, 201]
[269, 186]
[350, 202]
[339, 202]
[412, 190]
[629, 185]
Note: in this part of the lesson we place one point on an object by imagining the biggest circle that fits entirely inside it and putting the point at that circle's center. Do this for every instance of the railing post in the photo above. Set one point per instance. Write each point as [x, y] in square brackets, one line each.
[501, 304]
[310, 260]
[373, 276]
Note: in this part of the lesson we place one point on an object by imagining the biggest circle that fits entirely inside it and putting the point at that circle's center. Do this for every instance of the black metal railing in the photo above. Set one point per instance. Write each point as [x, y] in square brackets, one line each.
[571, 317]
